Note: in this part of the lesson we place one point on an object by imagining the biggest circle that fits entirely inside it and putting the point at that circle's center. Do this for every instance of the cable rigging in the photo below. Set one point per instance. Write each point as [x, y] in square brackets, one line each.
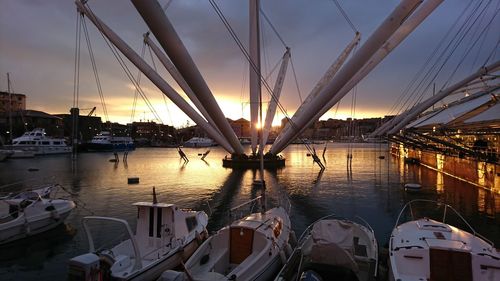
[129, 74]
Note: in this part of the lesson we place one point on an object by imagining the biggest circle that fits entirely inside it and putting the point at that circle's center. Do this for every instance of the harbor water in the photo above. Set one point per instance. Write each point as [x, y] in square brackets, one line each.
[371, 187]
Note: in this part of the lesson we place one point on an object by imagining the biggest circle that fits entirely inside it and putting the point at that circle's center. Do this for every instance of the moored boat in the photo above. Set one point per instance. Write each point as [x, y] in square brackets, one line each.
[427, 247]
[30, 213]
[251, 248]
[199, 142]
[333, 248]
[165, 236]
[105, 141]
[38, 143]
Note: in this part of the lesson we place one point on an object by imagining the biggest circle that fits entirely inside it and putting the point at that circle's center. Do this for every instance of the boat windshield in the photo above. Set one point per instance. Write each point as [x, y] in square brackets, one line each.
[441, 212]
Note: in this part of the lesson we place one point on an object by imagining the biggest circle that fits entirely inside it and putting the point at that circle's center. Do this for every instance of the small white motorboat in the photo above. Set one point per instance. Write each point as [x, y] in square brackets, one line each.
[251, 248]
[165, 236]
[28, 213]
[426, 248]
[333, 248]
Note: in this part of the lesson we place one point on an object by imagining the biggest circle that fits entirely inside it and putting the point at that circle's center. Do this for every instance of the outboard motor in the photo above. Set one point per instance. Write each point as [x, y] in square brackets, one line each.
[85, 267]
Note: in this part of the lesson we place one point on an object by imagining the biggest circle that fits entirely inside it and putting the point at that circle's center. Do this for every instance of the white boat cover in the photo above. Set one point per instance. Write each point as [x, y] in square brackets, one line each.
[333, 244]
[337, 232]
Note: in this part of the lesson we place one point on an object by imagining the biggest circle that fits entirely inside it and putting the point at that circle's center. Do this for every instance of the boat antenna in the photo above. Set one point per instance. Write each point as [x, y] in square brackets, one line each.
[10, 107]
[154, 196]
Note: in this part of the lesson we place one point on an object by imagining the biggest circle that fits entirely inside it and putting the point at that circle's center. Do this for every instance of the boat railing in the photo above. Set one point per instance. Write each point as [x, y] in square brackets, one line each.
[233, 210]
[443, 220]
[334, 216]
[85, 220]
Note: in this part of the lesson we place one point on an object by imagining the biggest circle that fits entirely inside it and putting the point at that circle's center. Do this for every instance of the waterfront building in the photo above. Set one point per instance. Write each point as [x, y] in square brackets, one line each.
[17, 102]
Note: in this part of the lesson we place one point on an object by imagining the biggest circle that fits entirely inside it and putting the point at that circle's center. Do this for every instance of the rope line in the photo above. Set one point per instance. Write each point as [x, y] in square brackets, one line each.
[344, 14]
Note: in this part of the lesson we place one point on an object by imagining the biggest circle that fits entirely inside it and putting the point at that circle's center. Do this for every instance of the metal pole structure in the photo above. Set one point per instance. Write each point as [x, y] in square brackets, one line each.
[329, 74]
[421, 107]
[271, 109]
[154, 76]
[10, 108]
[399, 35]
[178, 78]
[255, 82]
[406, 28]
[369, 48]
[160, 26]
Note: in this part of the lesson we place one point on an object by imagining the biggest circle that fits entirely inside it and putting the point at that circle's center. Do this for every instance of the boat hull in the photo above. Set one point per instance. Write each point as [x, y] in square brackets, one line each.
[155, 269]
[17, 229]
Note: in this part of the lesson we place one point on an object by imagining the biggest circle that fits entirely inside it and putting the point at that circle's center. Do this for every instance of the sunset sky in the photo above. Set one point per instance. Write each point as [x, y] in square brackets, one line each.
[37, 46]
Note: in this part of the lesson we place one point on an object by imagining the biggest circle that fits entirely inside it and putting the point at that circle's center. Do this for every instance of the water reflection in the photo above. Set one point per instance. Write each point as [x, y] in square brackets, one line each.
[369, 186]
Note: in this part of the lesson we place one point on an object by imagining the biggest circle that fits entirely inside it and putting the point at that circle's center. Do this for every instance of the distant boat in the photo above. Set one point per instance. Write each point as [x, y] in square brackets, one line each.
[413, 187]
[105, 141]
[333, 248]
[165, 235]
[39, 143]
[30, 213]
[199, 142]
[423, 246]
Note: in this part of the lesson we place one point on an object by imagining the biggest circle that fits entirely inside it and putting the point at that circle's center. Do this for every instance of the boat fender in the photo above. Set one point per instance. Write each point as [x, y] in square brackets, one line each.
[288, 249]
[283, 257]
[199, 238]
[293, 238]
[106, 261]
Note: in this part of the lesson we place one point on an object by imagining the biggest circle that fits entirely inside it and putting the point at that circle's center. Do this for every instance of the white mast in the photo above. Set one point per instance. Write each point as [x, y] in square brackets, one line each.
[273, 103]
[441, 95]
[10, 108]
[154, 77]
[369, 55]
[178, 78]
[255, 83]
[329, 74]
[160, 26]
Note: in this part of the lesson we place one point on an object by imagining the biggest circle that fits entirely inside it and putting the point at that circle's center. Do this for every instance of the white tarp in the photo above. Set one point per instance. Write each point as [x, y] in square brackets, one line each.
[333, 244]
[333, 232]
[491, 114]
[449, 114]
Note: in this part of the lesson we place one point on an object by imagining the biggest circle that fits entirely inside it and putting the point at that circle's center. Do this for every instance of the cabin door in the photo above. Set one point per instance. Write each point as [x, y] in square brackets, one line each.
[448, 265]
[241, 243]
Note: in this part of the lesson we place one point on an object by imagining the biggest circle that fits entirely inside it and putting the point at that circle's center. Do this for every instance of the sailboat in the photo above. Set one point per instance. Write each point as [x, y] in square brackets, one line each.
[165, 235]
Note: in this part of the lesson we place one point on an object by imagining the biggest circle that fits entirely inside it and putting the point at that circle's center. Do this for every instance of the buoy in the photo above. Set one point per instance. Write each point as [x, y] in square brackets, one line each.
[133, 180]
[412, 187]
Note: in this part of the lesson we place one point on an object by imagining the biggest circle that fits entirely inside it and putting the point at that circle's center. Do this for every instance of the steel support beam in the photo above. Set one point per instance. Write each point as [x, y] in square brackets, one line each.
[160, 26]
[391, 24]
[421, 107]
[153, 76]
[273, 103]
[178, 78]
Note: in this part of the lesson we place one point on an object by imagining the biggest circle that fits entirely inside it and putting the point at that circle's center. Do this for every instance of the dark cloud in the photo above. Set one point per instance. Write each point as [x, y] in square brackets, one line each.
[37, 41]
